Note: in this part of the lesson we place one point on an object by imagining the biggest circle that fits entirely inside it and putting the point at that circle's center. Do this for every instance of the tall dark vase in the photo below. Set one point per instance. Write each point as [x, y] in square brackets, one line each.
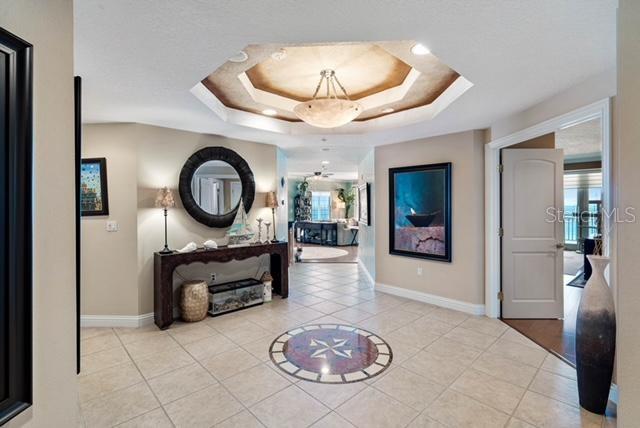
[595, 339]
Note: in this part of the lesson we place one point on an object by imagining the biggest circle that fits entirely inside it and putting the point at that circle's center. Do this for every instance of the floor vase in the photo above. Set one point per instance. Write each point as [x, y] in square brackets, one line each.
[595, 339]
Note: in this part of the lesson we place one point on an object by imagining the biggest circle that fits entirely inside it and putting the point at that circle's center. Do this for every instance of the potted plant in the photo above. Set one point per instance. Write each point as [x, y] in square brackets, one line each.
[348, 197]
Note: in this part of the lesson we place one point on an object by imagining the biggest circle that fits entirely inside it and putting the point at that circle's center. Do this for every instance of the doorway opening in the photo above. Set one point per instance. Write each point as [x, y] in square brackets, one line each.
[544, 306]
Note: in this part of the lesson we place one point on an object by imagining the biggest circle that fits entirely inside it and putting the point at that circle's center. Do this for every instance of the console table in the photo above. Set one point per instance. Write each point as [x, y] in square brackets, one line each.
[164, 265]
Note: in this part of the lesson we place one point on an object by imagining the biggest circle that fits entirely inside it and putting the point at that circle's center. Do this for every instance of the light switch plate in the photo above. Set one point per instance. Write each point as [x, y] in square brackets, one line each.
[112, 226]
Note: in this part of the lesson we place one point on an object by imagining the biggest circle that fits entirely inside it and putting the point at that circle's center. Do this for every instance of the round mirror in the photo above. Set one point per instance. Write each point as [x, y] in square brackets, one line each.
[216, 187]
[212, 182]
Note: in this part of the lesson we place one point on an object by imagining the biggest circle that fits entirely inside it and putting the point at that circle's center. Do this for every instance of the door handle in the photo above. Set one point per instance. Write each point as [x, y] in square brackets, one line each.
[559, 245]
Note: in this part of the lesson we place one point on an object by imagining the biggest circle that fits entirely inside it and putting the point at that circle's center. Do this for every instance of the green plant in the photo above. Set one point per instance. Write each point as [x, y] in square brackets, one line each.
[348, 197]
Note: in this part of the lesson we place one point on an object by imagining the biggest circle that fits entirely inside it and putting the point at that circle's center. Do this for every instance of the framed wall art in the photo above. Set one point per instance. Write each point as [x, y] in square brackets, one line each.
[94, 198]
[420, 211]
[364, 204]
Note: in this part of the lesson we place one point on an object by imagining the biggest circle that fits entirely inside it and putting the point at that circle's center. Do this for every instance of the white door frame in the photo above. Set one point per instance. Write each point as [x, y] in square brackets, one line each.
[600, 109]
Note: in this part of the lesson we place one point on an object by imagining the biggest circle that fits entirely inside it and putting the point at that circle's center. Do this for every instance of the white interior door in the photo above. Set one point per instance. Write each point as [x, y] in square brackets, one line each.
[532, 243]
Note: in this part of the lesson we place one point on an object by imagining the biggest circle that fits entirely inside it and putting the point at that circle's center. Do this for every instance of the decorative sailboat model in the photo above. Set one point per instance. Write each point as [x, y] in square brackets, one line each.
[240, 233]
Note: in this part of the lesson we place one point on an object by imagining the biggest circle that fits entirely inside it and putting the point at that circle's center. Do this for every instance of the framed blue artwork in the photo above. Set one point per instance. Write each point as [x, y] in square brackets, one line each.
[420, 211]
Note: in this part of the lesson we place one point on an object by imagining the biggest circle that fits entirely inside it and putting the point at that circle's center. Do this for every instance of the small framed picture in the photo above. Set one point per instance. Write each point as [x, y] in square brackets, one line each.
[420, 211]
[363, 204]
[94, 199]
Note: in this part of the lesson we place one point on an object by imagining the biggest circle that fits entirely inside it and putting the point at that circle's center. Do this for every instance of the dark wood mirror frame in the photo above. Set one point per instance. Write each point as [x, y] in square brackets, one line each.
[16, 231]
[186, 175]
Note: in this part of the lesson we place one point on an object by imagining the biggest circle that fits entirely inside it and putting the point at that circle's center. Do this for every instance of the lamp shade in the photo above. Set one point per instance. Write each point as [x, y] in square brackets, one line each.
[164, 198]
[271, 201]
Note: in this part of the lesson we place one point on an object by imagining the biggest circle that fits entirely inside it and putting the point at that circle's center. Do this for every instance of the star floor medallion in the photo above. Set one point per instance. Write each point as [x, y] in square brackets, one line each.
[331, 353]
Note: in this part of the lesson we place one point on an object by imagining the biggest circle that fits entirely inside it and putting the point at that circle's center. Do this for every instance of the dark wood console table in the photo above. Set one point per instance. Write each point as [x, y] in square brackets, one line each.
[164, 265]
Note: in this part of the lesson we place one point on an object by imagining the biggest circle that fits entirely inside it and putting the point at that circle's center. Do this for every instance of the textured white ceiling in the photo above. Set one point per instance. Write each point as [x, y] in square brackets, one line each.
[139, 58]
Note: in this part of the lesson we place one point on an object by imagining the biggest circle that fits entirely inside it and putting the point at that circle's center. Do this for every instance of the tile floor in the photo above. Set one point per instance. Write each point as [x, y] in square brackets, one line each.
[449, 369]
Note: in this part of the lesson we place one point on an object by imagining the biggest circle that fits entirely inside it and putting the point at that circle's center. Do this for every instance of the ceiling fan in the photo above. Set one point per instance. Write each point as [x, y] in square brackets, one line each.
[323, 173]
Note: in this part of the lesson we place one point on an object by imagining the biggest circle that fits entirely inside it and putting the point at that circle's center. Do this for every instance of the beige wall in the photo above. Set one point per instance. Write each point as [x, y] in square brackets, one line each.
[109, 259]
[547, 141]
[367, 234]
[49, 27]
[627, 177]
[463, 278]
[141, 159]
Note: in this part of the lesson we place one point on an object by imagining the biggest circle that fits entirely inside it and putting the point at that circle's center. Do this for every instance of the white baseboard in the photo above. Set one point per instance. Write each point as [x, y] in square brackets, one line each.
[470, 308]
[366, 272]
[116, 320]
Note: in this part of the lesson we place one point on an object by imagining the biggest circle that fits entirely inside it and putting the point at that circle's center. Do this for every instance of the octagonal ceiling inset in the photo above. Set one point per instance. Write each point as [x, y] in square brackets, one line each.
[393, 86]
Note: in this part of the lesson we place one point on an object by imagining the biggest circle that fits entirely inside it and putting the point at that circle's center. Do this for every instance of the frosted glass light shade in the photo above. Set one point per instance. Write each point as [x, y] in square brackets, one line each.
[328, 112]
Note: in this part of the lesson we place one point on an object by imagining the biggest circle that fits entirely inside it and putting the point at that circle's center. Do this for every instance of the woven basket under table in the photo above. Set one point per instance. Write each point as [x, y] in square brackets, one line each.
[194, 301]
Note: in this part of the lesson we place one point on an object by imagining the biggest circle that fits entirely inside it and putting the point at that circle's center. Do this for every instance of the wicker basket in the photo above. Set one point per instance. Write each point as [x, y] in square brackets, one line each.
[194, 301]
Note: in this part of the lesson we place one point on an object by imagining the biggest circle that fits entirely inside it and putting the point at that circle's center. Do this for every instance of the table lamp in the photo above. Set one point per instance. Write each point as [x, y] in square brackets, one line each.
[272, 202]
[164, 200]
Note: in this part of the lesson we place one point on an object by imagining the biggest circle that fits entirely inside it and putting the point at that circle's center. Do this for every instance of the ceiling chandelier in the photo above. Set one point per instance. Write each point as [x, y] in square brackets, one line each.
[332, 110]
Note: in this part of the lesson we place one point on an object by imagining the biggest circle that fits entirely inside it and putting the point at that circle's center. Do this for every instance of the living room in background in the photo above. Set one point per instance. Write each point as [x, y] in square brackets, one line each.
[320, 206]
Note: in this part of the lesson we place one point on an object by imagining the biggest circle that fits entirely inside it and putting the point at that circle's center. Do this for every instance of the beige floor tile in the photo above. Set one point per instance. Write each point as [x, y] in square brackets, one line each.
[418, 307]
[230, 363]
[203, 408]
[331, 396]
[307, 300]
[305, 314]
[119, 406]
[456, 410]
[228, 322]
[150, 346]
[310, 289]
[99, 343]
[206, 348]
[371, 408]
[349, 300]
[412, 335]
[260, 348]
[333, 420]
[289, 408]
[352, 315]
[179, 383]
[518, 352]
[555, 365]
[504, 368]
[401, 351]
[130, 334]
[89, 332]
[408, 388]
[514, 336]
[106, 381]
[255, 384]
[488, 390]
[163, 362]
[437, 368]
[102, 360]
[246, 334]
[517, 423]
[241, 420]
[434, 326]
[154, 419]
[471, 338]
[328, 307]
[490, 326]
[424, 421]
[557, 387]
[542, 411]
[448, 315]
[191, 332]
[453, 351]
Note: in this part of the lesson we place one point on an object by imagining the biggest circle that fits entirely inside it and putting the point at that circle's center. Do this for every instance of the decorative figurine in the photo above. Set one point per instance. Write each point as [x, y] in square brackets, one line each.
[259, 220]
[267, 223]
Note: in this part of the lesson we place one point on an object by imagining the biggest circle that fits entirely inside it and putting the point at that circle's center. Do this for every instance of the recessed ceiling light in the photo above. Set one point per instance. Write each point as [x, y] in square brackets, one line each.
[388, 110]
[279, 55]
[420, 49]
[325, 149]
[325, 162]
[241, 56]
[269, 112]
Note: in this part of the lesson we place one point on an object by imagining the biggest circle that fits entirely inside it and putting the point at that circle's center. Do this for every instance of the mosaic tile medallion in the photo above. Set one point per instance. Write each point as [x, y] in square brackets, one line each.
[331, 353]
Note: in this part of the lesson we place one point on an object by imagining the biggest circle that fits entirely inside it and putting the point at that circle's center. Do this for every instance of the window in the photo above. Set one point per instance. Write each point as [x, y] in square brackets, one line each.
[320, 206]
